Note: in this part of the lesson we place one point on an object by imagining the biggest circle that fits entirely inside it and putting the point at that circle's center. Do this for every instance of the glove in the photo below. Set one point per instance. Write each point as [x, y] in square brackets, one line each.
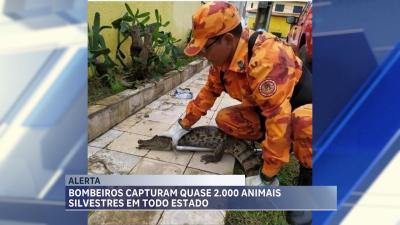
[176, 132]
[261, 180]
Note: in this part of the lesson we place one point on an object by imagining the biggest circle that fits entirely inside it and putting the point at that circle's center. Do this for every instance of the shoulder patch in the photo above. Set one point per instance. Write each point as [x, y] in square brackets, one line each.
[267, 88]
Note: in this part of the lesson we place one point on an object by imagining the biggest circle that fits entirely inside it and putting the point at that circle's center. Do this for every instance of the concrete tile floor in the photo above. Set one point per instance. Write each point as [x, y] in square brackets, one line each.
[116, 152]
[225, 166]
[148, 166]
[92, 150]
[112, 162]
[127, 143]
[124, 217]
[106, 138]
[180, 158]
[172, 217]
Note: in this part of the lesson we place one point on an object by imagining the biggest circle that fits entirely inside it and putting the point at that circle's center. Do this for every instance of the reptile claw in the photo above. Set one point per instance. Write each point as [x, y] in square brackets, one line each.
[207, 159]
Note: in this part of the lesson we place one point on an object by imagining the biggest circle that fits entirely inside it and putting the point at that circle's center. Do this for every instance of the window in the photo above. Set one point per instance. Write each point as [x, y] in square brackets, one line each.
[297, 9]
[279, 7]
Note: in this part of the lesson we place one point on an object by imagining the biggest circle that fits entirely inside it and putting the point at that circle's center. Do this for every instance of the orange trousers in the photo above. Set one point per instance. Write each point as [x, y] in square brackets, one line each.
[246, 123]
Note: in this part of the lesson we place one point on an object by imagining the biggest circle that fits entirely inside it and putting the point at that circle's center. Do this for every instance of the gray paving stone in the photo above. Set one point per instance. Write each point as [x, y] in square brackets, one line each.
[203, 76]
[187, 82]
[183, 86]
[206, 67]
[92, 150]
[193, 171]
[105, 139]
[133, 119]
[195, 93]
[124, 218]
[176, 109]
[209, 114]
[216, 104]
[181, 157]
[212, 120]
[200, 82]
[225, 166]
[111, 162]
[128, 123]
[228, 101]
[213, 123]
[195, 85]
[127, 143]
[177, 101]
[160, 104]
[192, 217]
[204, 121]
[151, 166]
[150, 128]
[168, 116]
[190, 80]
[164, 117]
[143, 113]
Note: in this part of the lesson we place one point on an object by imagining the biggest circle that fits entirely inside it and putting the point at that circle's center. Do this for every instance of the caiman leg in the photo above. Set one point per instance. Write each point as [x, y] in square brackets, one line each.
[217, 156]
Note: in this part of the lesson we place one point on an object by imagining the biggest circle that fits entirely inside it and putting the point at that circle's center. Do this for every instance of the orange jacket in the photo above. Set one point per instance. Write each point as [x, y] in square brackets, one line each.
[267, 81]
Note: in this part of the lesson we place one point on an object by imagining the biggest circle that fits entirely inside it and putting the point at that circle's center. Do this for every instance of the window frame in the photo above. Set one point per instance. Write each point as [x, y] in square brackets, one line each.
[298, 6]
[280, 5]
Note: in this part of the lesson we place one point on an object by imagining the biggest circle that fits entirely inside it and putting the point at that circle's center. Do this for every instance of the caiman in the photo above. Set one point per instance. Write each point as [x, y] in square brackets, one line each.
[210, 137]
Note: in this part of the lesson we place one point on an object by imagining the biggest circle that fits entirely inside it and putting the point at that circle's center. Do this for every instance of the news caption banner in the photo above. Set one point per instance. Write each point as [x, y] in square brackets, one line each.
[190, 192]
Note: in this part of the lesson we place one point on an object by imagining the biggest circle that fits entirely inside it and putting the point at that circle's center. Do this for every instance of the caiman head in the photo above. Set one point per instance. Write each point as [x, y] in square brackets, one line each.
[160, 143]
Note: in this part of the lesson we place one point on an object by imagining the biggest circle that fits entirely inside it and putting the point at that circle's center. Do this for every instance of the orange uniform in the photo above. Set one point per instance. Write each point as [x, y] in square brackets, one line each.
[264, 87]
[266, 82]
[302, 134]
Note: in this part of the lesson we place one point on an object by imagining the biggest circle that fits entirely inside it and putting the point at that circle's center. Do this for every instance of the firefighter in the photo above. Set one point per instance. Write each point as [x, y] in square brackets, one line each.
[264, 85]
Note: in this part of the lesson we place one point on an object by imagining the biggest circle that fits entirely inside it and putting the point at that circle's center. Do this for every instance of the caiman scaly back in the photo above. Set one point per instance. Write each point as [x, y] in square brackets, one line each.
[213, 138]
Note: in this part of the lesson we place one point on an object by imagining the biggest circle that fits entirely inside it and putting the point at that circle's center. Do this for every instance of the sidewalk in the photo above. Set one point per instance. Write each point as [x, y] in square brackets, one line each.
[115, 153]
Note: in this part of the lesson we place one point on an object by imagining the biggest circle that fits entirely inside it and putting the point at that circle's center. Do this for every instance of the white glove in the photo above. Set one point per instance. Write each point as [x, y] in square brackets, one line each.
[176, 132]
[258, 181]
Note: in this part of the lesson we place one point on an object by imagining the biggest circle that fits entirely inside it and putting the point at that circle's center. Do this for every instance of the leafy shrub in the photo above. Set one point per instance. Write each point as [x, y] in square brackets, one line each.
[101, 65]
[152, 50]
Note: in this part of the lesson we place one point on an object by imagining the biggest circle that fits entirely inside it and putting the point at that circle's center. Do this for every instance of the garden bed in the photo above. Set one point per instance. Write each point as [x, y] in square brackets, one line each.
[106, 113]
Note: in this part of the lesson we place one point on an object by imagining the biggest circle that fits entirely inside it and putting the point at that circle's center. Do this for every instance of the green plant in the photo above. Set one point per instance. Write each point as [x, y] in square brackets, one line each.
[99, 61]
[115, 84]
[152, 50]
[164, 45]
[167, 51]
[125, 26]
[98, 58]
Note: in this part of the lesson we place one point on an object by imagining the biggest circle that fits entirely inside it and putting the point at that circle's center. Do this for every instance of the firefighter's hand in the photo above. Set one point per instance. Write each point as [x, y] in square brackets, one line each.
[176, 132]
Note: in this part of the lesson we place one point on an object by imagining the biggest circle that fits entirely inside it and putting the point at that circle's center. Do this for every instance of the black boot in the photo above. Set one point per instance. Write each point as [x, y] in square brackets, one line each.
[305, 177]
[301, 217]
